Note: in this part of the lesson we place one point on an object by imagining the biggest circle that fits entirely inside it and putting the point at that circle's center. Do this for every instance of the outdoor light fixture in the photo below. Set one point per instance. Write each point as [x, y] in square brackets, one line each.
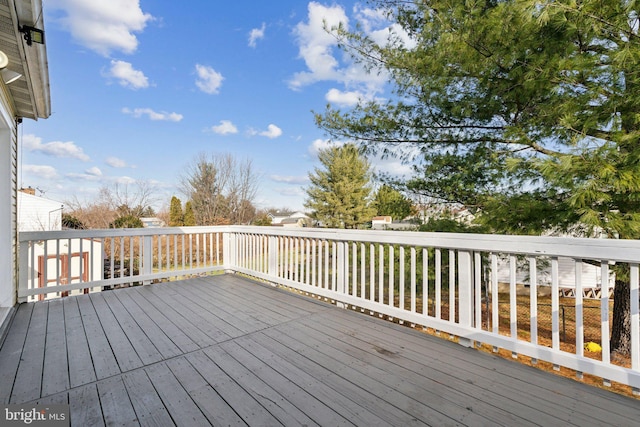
[9, 76]
[32, 34]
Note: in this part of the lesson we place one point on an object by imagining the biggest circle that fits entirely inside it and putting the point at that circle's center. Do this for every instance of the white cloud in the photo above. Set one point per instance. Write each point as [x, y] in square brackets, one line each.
[272, 132]
[55, 148]
[125, 180]
[127, 76]
[393, 167]
[115, 162]
[326, 62]
[347, 99]
[94, 171]
[321, 144]
[153, 115]
[290, 179]
[84, 177]
[256, 34]
[225, 127]
[209, 80]
[316, 45]
[374, 22]
[40, 171]
[291, 191]
[103, 26]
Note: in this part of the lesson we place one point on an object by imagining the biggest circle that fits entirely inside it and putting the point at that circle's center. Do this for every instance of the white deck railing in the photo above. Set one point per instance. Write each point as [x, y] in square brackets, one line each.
[447, 282]
[56, 263]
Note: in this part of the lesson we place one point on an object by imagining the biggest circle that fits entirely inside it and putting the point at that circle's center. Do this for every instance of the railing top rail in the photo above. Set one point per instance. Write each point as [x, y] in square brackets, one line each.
[572, 247]
[578, 248]
[26, 236]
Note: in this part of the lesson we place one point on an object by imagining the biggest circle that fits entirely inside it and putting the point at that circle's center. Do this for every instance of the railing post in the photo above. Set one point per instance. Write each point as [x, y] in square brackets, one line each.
[23, 271]
[229, 251]
[147, 257]
[465, 293]
[341, 276]
[272, 256]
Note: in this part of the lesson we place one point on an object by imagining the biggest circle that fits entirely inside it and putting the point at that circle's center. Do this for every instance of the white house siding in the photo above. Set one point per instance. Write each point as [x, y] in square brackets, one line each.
[591, 275]
[7, 208]
[38, 214]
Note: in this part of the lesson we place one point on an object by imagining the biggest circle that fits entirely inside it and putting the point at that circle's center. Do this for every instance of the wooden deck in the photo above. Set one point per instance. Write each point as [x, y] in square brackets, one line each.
[223, 350]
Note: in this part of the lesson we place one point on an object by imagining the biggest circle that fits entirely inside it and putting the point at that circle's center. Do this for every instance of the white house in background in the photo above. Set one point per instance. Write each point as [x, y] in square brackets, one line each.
[381, 222]
[295, 222]
[74, 265]
[590, 276]
[290, 219]
[37, 213]
[152, 222]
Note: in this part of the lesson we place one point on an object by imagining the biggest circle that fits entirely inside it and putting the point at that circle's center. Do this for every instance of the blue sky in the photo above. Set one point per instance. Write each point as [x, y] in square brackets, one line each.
[140, 88]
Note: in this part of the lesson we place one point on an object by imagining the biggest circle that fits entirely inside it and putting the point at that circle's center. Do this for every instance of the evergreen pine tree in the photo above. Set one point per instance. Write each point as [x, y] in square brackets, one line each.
[176, 217]
[339, 193]
[388, 201]
[189, 217]
[523, 110]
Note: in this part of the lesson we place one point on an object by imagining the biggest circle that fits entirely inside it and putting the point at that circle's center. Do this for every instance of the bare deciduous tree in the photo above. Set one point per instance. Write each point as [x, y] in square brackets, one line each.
[113, 202]
[220, 188]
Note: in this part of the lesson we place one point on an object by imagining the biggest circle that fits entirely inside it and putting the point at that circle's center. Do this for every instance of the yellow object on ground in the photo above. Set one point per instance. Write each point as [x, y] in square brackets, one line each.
[593, 347]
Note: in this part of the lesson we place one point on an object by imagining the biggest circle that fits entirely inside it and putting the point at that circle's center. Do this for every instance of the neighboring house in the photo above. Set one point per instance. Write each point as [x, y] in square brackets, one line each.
[290, 219]
[38, 213]
[24, 94]
[381, 222]
[444, 210]
[152, 222]
[387, 223]
[462, 215]
[295, 222]
[590, 276]
[75, 263]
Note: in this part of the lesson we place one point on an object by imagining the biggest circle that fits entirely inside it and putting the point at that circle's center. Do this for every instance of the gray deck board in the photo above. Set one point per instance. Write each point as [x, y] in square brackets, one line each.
[282, 302]
[161, 321]
[257, 313]
[116, 403]
[481, 369]
[79, 357]
[208, 323]
[214, 407]
[145, 400]
[143, 346]
[288, 390]
[179, 404]
[223, 350]
[151, 330]
[181, 319]
[281, 408]
[245, 405]
[472, 377]
[11, 351]
[122, 347]
[104, 360]
[417, 379]
[84, 406]
[55, 375]
[234, 320]
[28, 382]
[417, 403]
[352, 402]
